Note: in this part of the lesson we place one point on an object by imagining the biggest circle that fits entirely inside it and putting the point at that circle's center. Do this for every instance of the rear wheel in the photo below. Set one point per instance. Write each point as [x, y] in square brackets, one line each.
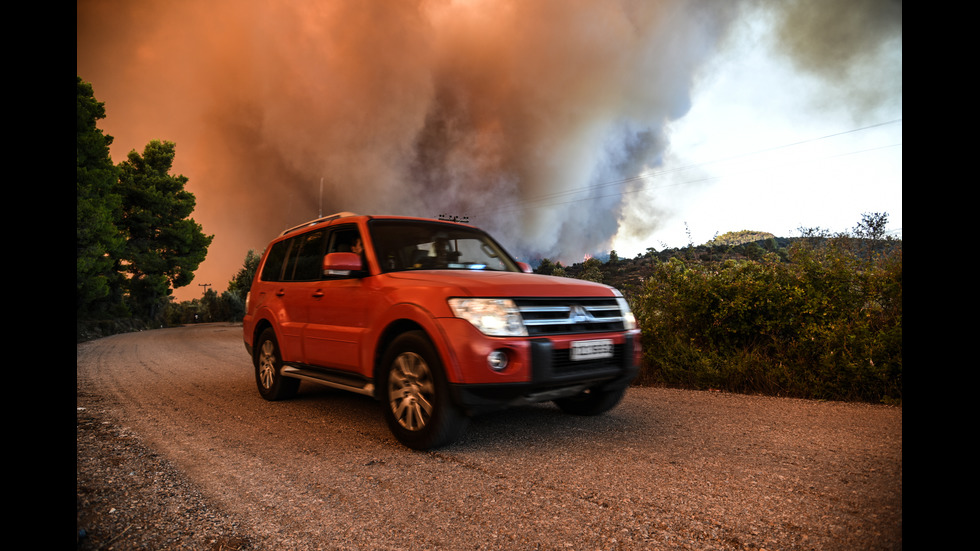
[268, 369]
[591, 401]
[418, 409]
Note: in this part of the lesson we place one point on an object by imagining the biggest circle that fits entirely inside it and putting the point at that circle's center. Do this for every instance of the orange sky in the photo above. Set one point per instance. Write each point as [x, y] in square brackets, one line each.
[477, 108]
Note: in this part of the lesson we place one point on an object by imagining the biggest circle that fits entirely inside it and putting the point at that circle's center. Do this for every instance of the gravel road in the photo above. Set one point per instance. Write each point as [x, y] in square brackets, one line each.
[176, 450]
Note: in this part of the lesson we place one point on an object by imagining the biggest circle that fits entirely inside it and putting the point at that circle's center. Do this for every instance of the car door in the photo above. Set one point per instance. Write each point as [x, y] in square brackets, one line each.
[340, 309]
[297, 290]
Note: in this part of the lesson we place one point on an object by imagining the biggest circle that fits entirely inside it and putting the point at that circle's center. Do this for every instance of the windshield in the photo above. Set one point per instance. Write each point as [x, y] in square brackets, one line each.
[420, 245]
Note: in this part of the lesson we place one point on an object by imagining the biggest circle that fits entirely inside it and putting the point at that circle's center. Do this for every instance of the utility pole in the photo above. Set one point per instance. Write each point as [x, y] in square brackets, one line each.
[205, 285]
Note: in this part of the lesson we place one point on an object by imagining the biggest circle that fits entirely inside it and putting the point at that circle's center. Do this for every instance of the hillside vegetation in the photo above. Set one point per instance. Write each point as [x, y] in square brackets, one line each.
[814, 317]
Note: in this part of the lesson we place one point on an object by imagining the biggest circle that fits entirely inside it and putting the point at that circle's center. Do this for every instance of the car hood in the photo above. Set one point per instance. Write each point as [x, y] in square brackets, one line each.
[479, 283]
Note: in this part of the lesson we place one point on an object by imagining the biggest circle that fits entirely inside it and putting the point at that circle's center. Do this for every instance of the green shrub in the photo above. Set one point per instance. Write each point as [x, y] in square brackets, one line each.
[826, 324]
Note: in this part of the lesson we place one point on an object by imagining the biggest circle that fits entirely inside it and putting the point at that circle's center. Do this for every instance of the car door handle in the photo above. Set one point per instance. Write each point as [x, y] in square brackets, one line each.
[318, 293]
[280, 292]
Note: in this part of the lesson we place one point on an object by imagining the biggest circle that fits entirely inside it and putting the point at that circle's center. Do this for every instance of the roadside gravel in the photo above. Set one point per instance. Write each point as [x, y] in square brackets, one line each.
[127, 496]
[175, 451]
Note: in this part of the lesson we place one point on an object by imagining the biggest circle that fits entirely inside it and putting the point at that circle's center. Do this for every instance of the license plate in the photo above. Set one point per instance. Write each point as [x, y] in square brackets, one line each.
[591, 350]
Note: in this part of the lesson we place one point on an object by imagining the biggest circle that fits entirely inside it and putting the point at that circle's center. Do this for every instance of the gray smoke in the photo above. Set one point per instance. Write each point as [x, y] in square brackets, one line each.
[533, 118]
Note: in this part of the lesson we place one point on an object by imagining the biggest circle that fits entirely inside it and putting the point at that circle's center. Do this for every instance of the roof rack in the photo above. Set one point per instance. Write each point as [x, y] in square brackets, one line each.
[318, 221]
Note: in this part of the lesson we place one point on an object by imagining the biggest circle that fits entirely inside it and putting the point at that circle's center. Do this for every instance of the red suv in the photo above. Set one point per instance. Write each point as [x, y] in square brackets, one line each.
[435, 320]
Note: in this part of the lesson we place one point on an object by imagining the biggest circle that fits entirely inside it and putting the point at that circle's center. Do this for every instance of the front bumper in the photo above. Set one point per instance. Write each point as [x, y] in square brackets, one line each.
[553, 376]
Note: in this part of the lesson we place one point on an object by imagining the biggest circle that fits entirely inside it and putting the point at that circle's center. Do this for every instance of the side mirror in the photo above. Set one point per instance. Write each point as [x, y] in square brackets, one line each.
[525, 267]
[342, 264]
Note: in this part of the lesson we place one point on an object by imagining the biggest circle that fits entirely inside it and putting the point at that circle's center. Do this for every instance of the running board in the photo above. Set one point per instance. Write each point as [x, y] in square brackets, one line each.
[332, 379]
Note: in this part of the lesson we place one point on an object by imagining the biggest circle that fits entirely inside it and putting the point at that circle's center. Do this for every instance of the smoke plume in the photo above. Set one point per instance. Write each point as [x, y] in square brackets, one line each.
[529, 117]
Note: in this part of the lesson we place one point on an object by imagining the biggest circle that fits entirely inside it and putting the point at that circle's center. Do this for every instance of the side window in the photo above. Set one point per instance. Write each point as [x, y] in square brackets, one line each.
[272, 271]
[305, 262]
[347, 239]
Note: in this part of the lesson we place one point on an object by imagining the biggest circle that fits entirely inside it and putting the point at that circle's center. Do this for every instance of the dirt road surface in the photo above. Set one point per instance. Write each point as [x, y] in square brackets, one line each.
[176, 450]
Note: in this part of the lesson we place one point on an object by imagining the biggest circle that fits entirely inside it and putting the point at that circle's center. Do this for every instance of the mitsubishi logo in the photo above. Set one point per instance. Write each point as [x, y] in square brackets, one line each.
[578, 314]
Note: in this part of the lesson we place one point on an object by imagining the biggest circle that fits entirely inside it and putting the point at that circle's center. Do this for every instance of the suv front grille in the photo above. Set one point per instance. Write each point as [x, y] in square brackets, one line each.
[556, 316]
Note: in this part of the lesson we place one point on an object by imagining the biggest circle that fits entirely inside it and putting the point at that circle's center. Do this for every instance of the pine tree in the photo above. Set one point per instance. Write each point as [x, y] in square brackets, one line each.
[164, 246]
[97, 209]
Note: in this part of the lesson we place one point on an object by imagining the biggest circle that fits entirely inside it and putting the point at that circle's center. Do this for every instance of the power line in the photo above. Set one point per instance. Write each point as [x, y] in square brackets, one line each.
[649, 175]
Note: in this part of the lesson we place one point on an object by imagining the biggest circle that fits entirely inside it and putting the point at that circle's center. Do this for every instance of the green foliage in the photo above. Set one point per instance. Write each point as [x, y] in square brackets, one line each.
[871, 232]
[97, 208]
[163, 245]
[826, 324]
[229, 306]
[242, 282]
[135, 238]
[546, 267]
[592, 270]
[210, 308]
[742, 237]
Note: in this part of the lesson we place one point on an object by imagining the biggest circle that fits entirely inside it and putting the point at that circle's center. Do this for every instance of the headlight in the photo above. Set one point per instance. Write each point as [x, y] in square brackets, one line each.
[496, 317]
[629, 320]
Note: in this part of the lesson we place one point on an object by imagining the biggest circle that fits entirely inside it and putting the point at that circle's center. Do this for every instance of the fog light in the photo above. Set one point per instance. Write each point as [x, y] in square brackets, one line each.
[497, 360]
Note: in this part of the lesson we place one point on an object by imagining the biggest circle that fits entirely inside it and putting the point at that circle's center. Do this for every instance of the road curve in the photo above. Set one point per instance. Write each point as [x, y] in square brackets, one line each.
[667, 469]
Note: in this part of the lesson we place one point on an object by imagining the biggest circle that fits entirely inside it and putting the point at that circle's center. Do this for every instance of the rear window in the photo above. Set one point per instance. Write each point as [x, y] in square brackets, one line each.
[299, 258]
[272, 271]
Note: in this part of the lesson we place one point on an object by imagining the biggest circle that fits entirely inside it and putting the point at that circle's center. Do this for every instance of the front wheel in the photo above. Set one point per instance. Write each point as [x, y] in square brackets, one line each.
[268, 369]
[591, 402]
[418, 409]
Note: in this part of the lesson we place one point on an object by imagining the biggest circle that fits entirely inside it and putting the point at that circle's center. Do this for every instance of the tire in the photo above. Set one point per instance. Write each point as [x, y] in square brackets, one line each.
[591, 401]
[417, 406]
[268, 369]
